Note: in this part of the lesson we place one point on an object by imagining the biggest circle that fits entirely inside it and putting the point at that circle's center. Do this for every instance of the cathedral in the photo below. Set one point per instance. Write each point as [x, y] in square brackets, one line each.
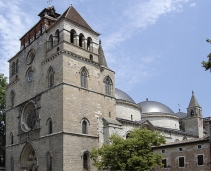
[62, 101]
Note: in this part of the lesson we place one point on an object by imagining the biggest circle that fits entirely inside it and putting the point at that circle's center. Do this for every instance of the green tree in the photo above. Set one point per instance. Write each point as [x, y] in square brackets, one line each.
[131, 154]
[207, 65]
[3, 84]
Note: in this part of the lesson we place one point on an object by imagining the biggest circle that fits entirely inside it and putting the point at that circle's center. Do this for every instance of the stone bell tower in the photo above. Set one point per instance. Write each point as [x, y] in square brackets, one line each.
[59, 88]
[194, 121]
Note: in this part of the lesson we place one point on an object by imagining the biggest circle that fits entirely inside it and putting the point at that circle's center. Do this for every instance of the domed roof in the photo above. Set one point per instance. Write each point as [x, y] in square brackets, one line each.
[119, 94]
[154, 107]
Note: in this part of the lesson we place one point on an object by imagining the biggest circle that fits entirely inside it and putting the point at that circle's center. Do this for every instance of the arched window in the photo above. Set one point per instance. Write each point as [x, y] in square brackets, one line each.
[192, 112]
[50, 126]
[91, 58]
[86, 161]
[109, 114]
[35, 34]
[81, 40]
[50, 41]
[11, 138]
[41, 28]
[12, 96]
[57, 36]
[131, 117]
[30, 74]
[84, 75]
[50, 77]
[30, 57]
[16, 66]
[89, 41]
[13, 68]
[12, 164]
[29, 38]
[49, 161]
[72, 36]
[108, 85]
[84, 127]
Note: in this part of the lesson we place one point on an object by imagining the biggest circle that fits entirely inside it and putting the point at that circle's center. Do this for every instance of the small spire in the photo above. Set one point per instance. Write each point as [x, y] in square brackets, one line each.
[193, 101]
[102, 59]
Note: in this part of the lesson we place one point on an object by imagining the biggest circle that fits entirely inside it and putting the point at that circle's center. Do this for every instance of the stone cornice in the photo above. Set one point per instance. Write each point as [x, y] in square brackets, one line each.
[57, 133]
[82, 88]
[165, 115]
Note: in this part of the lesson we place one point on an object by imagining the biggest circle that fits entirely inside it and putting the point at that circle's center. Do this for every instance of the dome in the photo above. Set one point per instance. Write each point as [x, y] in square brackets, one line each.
[119, 94]
[152, 107]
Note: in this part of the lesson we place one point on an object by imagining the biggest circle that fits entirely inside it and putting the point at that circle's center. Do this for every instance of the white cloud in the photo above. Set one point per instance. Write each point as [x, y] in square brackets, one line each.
[141, 15]
[193, 4]
[138, 17]
[13, 25]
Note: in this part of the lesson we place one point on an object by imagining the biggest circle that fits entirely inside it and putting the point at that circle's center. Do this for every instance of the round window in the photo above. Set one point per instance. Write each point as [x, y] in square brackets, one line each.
[28, 117]
[30, 57]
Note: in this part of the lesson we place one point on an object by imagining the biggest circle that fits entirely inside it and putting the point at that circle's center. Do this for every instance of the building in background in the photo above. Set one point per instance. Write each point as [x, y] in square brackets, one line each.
[62, 102]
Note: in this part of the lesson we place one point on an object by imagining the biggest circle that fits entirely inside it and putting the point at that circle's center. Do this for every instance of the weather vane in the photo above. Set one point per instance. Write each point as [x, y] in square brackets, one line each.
[179, 106]
[49, 2]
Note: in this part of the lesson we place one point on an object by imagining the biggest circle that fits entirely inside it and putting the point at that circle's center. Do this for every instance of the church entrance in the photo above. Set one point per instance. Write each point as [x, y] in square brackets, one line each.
[28, 159]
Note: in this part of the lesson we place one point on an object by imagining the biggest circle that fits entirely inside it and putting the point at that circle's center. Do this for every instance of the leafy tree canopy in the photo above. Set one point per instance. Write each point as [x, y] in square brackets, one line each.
[131, 154]
[207, 65]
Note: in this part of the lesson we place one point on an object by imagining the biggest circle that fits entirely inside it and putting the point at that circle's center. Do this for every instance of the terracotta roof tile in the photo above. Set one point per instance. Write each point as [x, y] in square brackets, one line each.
[74, 16]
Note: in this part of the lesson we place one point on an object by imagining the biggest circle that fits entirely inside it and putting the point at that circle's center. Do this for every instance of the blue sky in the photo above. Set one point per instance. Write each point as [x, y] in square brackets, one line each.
[155, 47]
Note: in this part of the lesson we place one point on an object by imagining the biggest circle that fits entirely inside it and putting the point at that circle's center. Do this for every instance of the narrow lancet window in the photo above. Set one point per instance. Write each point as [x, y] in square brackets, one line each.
[84, 127]
[86, 161]
[84, 75]
[108, 85]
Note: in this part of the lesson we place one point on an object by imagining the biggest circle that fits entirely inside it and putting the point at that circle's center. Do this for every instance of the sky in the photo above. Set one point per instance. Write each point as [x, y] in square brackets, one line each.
[154, 47]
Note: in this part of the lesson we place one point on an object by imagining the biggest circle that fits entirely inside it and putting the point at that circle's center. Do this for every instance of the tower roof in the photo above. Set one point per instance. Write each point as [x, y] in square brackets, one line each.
[102, 59]
[74, 16]
[193, 101]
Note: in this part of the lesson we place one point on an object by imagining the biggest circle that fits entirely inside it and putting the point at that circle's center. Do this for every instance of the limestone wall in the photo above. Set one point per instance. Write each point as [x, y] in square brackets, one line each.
[128, 112]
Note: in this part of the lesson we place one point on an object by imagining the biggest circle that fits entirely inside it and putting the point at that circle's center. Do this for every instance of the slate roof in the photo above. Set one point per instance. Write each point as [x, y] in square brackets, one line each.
[75, 17]
[174, 131]
[195, 140]
[181, 114]
[111, 121]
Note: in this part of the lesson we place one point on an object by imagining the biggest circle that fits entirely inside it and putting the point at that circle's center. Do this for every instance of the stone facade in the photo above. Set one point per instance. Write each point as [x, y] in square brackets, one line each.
[191, 155]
